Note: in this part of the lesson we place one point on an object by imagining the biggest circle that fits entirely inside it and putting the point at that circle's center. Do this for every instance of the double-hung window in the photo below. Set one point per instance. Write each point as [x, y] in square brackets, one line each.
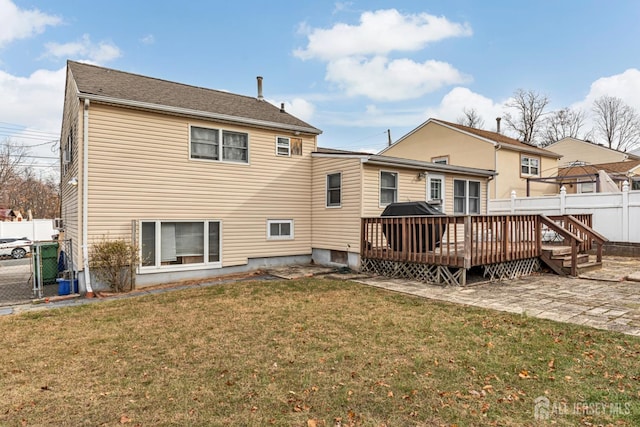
[171, 243]
[334, 190]
[388, 188]
[283, 146]
[529, 166]
[221, 145]
[466, 197]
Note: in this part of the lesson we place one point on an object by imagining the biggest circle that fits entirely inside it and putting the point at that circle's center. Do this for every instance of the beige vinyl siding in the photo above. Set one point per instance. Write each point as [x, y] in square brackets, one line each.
[410, 188]
[140, 169]
[449, 192]
[70, 210]
[337, 228]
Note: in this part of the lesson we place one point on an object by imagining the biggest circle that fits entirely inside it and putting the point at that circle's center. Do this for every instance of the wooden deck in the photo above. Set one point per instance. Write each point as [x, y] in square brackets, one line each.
[463, 242]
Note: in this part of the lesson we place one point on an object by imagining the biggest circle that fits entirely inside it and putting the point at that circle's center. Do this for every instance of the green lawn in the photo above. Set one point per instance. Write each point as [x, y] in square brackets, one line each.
[305, 353]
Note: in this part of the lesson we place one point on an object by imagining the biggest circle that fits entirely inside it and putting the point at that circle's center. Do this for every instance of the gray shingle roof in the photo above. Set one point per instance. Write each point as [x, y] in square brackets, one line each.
[117, 85]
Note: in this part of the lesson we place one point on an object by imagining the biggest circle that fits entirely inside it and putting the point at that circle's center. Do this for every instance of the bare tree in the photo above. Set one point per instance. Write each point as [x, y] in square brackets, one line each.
[617, 123]
[471, 118]
[40, 196]
[528, 108]
[12, 157]
[562, 124]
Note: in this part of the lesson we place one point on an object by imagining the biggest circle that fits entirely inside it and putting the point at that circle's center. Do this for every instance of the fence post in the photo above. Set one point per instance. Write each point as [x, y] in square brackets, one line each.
[513, 201]
[625, 211]
[563, 199]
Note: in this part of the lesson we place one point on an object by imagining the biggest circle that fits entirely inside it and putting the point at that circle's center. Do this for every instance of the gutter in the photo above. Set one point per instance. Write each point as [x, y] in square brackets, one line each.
[197, 113]
[85, 199]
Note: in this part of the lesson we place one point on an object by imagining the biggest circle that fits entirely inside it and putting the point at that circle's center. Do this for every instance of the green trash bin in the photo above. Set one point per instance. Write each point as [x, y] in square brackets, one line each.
[47, 254]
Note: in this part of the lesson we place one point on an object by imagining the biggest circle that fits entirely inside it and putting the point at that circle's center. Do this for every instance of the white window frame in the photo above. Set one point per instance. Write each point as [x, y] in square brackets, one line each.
[380, 188]
[327, 189]
[590, 186]
[283, 142]
[437, 203]
[221, 146]
[467, 197]
[290, 236]
[525, 161]
[158, 267]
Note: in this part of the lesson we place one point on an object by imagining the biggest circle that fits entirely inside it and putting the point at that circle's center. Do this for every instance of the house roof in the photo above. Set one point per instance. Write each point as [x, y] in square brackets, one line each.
[494, 138]
[380, 160]
[613, 168]
[630, 155]
[118, 87]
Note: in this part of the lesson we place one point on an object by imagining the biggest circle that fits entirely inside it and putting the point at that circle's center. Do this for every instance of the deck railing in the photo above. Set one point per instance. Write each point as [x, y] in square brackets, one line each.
[456, 241]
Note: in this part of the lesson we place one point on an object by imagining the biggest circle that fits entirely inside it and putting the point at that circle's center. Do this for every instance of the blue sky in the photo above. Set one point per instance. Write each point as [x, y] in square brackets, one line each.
[353, 69]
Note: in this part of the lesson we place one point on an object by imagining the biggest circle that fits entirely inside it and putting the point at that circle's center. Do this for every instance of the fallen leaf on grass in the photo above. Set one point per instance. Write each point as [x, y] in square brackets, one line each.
[124, 419]
[524, 374]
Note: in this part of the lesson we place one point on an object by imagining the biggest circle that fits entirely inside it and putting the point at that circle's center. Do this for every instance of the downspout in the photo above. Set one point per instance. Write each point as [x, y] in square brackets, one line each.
[495, 168]
[85, 200]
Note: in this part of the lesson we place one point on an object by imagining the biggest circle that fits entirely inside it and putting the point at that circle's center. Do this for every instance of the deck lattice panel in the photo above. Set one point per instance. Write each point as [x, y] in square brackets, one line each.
[511, 269]
[437, 274]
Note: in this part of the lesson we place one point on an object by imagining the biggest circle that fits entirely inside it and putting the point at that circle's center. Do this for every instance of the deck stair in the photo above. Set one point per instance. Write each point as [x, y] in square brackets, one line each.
[558, 258]
[570, 256]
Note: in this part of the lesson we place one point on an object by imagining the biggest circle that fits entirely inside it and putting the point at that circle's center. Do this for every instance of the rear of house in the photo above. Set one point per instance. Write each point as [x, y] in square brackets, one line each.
[203, 182]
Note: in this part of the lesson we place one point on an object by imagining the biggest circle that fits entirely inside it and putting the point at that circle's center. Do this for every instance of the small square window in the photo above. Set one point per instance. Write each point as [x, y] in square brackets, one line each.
[283, 146]
[529, 165]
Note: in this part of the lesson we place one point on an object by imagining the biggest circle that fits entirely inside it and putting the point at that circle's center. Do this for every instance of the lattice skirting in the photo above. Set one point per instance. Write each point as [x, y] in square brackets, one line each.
[511, 269]
[437, 274]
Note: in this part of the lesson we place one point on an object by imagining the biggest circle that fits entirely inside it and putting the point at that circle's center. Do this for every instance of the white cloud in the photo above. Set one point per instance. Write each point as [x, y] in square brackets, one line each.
[384, 80]
[454, 103]
[84, 49]
[34, 104]
[358, 61]
[299, 107]
[625, 86]
[379, 33]
[20, 23]
[148, 39]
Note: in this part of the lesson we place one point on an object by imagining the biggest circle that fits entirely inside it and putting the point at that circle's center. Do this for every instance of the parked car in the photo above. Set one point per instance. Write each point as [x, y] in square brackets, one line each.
[15, 247]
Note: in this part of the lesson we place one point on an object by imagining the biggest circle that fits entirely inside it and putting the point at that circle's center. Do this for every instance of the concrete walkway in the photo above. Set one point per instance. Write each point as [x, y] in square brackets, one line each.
[604, 299]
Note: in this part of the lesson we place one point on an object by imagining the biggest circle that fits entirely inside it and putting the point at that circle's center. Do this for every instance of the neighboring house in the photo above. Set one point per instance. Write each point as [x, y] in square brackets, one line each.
[201, 180]
[575, 150]
[585, 178]
[448, 143]
[206, 182]
[10, 215]
[347, 186]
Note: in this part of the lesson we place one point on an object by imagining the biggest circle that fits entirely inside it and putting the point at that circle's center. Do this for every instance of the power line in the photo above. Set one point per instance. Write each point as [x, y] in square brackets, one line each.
[21, 128]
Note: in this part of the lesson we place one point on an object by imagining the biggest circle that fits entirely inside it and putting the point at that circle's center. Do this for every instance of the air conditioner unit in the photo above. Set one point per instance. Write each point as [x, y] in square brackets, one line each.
[58, 224]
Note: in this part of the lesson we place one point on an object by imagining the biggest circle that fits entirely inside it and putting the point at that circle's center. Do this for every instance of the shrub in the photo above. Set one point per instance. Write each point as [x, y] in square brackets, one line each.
[114, 261]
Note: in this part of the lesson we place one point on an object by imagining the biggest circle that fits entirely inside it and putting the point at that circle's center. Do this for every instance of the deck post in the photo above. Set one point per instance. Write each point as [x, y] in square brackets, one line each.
[468, 240]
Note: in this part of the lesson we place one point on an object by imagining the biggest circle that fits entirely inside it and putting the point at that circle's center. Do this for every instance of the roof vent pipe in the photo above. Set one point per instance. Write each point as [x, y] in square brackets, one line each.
[498, 124]
[260, 97]
[282, 107]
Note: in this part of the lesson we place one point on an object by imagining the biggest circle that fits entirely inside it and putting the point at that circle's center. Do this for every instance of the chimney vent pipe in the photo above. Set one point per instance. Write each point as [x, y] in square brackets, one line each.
[498, 124]
[260, 97]
[282, 107]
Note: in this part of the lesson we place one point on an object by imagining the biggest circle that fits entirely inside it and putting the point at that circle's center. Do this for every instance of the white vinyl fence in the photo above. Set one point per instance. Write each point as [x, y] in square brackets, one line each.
[38, 229]
[615, 215]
